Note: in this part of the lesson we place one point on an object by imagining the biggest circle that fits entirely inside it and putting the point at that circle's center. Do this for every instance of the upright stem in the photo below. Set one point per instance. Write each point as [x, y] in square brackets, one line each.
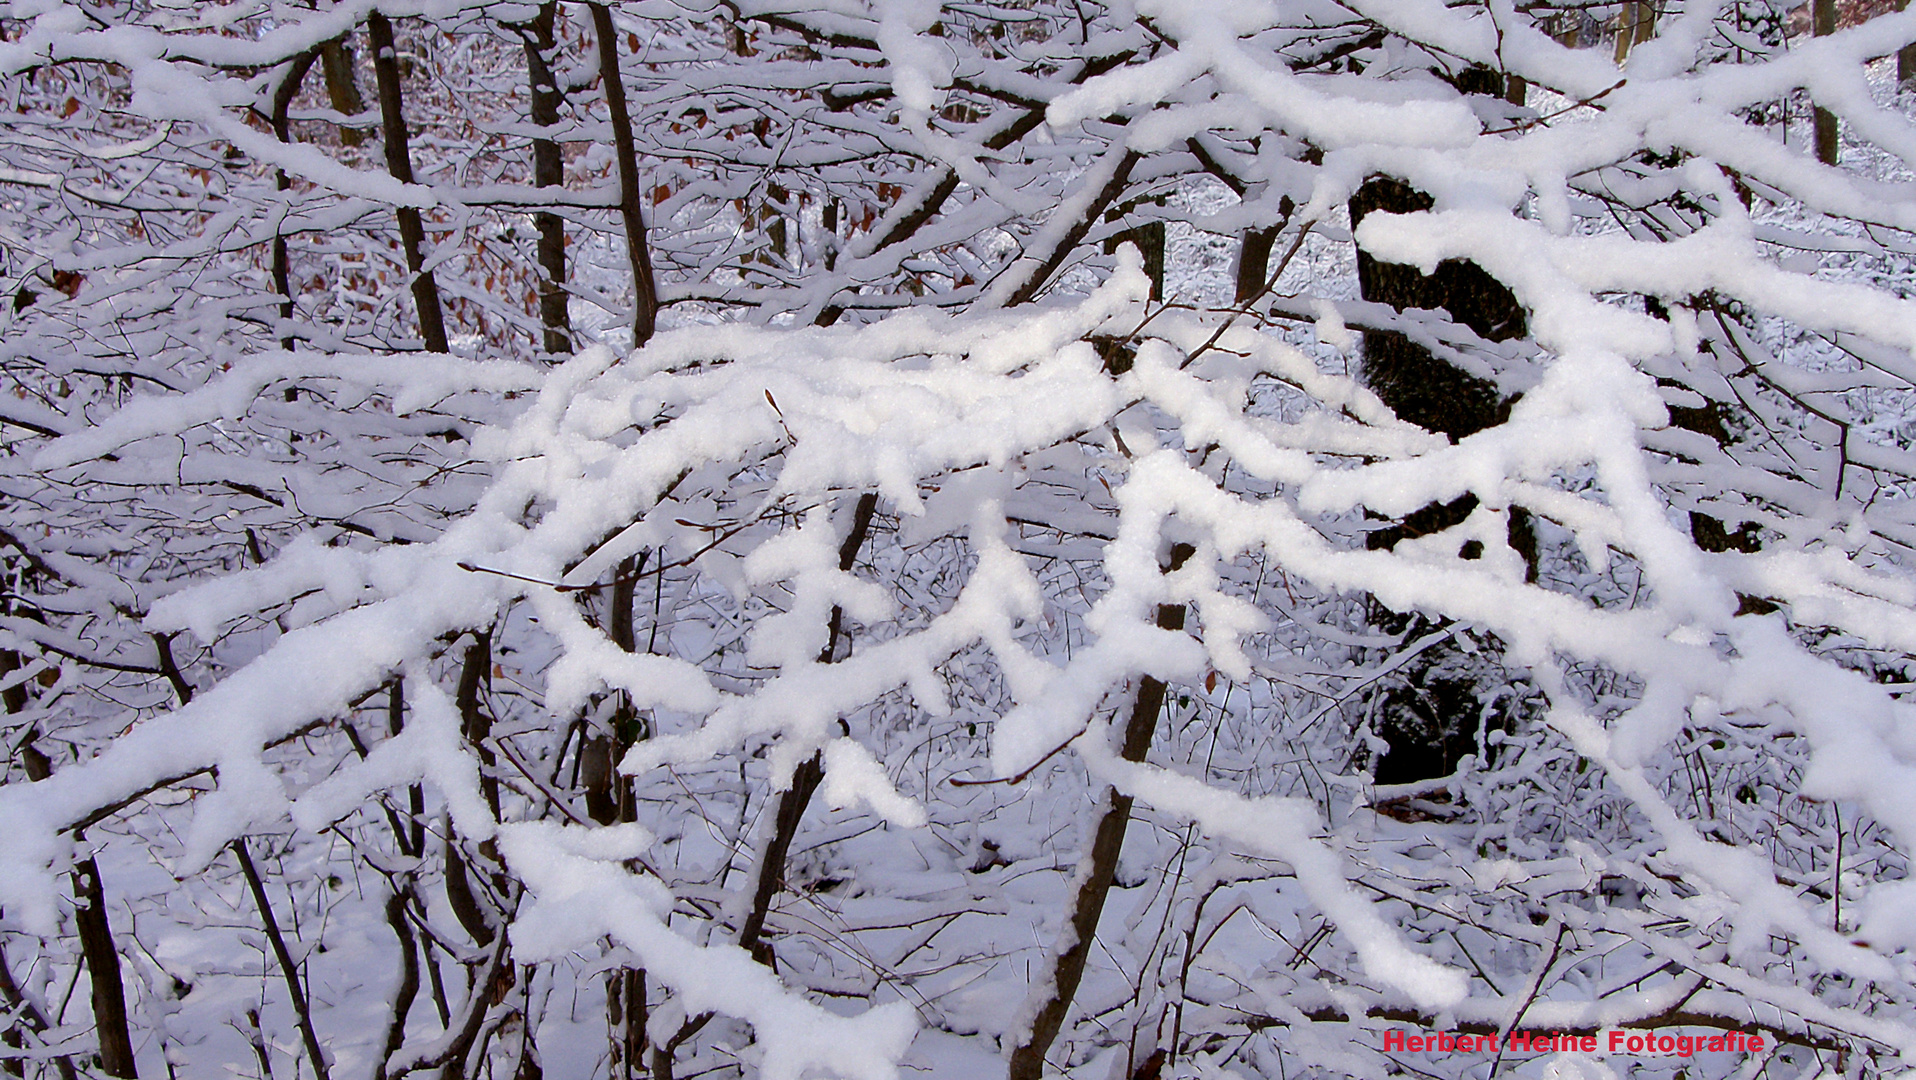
[286, 968]
[609, 799]
[645, 293]
[96, 946]
[408, 980]
[1253, 261]
[1828, 145]
[282, 129]
[807, 777]
[474, 674]
[548, 170]
[30, 1016]
[412, 231]
[476, 917]
[790, 810]
[1905, 56]
[103, 965]
[1099, 866]
[342, 84]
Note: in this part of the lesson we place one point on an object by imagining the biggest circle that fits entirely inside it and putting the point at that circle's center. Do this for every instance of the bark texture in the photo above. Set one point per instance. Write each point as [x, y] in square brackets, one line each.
[548, 170]
[412, 229]
[1432, 713]
[1098, 866]
[645, 291]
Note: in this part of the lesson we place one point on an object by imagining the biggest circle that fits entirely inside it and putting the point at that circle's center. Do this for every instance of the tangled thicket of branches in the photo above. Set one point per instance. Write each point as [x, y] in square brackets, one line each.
[1116, 540]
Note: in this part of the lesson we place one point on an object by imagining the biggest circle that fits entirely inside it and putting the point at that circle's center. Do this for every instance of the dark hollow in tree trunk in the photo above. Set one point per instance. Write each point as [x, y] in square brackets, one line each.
[412, 230]
[548, 170]
[645, 293]
[1099, 865]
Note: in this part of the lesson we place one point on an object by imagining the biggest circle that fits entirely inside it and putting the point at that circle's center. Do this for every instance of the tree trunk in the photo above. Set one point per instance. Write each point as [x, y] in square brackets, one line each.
[1828, 145]
[412, 230]
[408, 981]
[30, 1015]
[1905, 56]
[788, 813]
[1635, 25]
[1253, 262]
[609, 798]
[96, 946]
[645, 294]
[473, 912]
[342, 85]
[1098, 866]
[282, 129]
[1420, 388]
[548, 170]
[1149, 238]
[1430, 713]
[287, 969]
[103, 968]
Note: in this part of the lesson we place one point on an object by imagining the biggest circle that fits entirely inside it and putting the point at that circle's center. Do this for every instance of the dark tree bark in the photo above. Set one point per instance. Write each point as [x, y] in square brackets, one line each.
[412, 230]
[408, 981]
[789, 812]
[342, 85]
[96, 947]
[475, 673]
[609, 799]
[103, 969]
[1905, 56]
[1828, 145]
[283, 95]
[807, 777]
[548, 170]
[287, 969]
[645, 291]
[1254, 262]
[1431, 715]
[1099, 865]
[1149, 238]
[1419, 387]
[473, 912]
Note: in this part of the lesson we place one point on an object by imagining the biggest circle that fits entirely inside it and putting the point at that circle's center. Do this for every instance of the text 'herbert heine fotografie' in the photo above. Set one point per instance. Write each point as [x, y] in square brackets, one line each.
[1612, 1041]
